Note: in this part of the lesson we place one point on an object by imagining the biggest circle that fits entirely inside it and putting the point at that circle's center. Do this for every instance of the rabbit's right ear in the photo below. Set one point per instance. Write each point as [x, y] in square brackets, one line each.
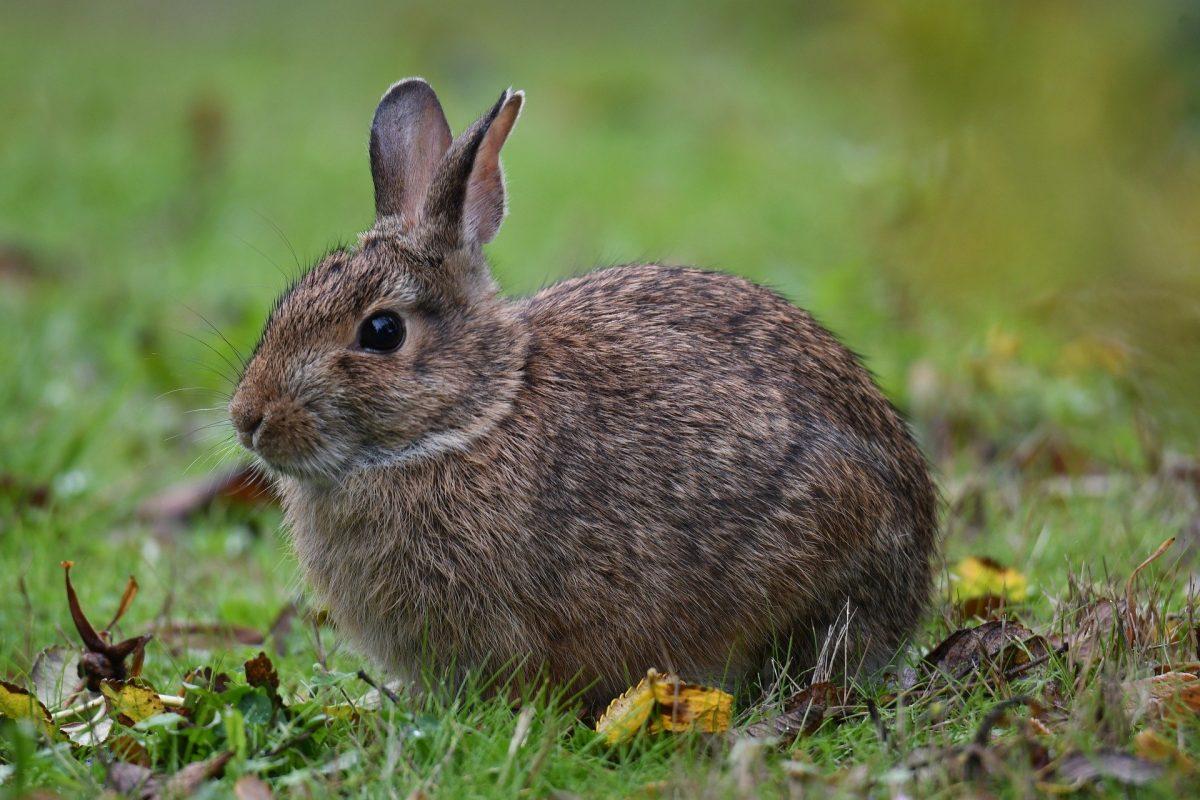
[409, 136]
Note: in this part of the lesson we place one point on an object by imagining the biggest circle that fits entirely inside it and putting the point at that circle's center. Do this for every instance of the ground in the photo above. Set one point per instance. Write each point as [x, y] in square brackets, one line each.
[1013, 256]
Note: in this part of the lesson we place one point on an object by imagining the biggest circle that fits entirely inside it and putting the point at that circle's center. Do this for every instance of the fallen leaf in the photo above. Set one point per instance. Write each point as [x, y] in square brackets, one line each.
[802, 713]
[91, 732]
[1004, 643]
[134, 780]
[55, 675]
[101, 659]
[16, 703]
[252, 787]
[243, 486]
[1163, 694]
[206, 635]
[1153, 747]
[628, 713]
[686, 706]
[1080, 768]
[665, 703]
[186, 781]
[131, 702]
[261, 672]
[980, 586]
[129, 749]
[131, 780]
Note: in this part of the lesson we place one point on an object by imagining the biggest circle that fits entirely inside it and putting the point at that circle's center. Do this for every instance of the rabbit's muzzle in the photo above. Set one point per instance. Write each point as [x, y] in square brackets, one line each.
[282, 432]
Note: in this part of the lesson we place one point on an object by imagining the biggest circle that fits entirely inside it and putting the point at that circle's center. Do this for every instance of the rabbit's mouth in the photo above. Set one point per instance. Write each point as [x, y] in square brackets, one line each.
[290, 440]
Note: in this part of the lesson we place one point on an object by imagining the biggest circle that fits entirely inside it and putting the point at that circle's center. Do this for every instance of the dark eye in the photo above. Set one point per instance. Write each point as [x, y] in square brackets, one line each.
[381, 333]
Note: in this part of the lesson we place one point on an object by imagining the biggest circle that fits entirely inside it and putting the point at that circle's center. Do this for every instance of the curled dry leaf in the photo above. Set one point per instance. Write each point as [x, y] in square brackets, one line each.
[241, 486]
[16, 703]
[101, 659]
[252, 787]
[1163, 695]
[665, 703]
[206, 635]
[1078, 769]
[186, 781]
[261, 672]
[91, 732]
[804, 712]
[1002, 643]
[133, 780]
[981, 586]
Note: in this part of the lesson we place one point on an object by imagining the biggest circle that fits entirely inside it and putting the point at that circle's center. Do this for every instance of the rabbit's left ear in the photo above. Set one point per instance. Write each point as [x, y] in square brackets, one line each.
[466, 201]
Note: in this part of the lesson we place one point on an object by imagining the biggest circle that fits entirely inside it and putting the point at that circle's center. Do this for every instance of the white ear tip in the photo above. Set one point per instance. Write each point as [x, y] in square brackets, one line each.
[416, 80]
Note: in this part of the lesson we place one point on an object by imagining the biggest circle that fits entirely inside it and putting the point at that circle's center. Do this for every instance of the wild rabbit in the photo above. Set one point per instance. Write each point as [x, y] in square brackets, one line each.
[646, 466]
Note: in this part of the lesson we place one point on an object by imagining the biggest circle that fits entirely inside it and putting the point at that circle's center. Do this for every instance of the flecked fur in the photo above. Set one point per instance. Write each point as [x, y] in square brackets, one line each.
[643, 466]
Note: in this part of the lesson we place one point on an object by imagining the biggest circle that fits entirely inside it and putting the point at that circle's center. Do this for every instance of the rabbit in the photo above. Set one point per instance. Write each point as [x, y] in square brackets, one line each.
[643, 466]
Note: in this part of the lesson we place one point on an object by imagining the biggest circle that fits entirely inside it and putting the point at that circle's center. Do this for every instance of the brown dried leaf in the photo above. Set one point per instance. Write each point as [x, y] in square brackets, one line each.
[261, 672]
[131, 780]
[206, 635]
[1162, 695]
[1079, 768]
[101, 659]
[803, 712]
[185, 782]
[240, 486]
[131, 590]
[130, 750]
[1002, 643]
[252, 787]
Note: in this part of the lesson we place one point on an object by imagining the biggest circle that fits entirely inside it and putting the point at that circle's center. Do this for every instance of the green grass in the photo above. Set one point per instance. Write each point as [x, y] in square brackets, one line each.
[989, 204]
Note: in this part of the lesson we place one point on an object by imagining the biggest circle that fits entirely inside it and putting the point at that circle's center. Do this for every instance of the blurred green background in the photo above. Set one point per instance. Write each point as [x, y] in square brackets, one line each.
[998, 204]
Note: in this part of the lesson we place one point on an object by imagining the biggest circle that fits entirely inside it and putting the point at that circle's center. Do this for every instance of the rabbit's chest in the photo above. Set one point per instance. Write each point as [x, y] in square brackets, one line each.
[399, 577]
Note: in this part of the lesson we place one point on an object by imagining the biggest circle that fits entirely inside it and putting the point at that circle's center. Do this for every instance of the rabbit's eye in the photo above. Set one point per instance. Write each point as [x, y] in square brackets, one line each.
[381, 333]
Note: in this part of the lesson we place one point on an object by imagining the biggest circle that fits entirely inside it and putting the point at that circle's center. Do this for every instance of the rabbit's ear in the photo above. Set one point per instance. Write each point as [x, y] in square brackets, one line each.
[466, 201]
[409, 137]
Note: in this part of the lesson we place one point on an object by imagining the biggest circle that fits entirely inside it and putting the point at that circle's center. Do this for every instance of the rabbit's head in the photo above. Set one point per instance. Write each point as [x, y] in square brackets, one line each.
[398, 347]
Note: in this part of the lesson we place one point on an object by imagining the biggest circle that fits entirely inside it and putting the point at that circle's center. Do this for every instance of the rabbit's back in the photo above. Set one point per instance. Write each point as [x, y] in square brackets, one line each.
[692, 469]
[730, 457]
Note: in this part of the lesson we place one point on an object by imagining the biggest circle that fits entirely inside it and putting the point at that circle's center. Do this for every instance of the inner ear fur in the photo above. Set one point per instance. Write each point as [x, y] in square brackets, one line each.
[409, 139]
[466, 201]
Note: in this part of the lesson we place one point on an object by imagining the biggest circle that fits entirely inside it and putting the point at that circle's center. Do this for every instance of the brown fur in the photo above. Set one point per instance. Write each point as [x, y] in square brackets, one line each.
[644, 466]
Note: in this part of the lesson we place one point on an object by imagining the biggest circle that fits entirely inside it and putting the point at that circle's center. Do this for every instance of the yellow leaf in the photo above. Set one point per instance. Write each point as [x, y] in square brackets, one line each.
[1153, 747]
[16, 703]
[974, 577]
[627, 714]
[665, 703]
[685, 706]
[131, 702]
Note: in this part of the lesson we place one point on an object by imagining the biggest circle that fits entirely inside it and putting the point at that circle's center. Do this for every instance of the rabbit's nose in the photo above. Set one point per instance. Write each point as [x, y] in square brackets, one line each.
[246, 421]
